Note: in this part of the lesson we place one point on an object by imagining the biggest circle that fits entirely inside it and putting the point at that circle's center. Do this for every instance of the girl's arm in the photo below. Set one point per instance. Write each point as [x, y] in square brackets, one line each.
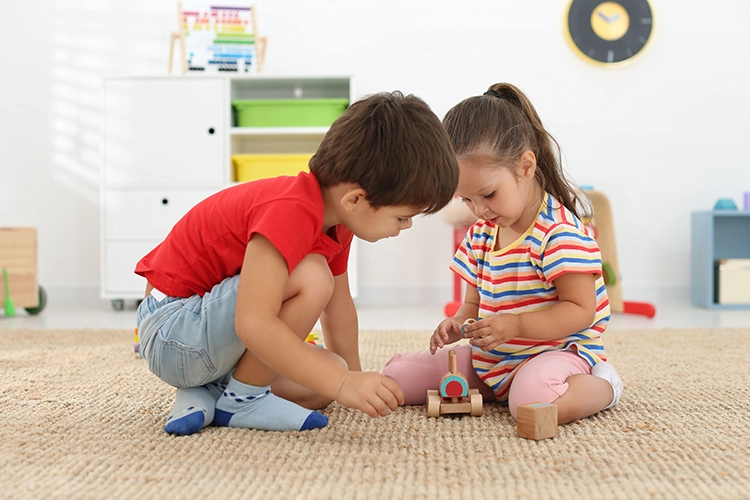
[470, 307]
[340, 323]
[449, 330]
[575, 311]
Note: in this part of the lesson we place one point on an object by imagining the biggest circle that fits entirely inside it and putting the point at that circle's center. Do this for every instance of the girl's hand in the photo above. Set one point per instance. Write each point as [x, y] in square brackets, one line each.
[447, 332]
[491, 332]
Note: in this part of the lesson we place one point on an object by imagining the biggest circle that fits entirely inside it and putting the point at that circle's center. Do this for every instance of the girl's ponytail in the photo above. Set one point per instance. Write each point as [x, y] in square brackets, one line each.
[549, 173]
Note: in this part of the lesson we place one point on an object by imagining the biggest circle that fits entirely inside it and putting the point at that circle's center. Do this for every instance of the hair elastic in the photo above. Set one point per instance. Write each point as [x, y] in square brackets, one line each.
[492, 92]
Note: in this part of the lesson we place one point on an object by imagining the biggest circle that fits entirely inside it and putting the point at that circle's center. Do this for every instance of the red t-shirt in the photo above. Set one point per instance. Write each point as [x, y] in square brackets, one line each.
[208, 244]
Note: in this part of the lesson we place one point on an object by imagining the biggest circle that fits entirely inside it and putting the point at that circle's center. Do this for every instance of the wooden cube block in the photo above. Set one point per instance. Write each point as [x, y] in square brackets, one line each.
[537, 421]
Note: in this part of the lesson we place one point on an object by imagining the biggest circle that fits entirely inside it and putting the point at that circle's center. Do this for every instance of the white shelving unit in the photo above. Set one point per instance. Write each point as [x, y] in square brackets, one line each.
[168, 143]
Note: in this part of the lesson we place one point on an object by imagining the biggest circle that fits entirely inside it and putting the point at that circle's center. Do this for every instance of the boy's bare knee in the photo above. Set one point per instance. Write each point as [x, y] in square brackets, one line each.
[312, 277]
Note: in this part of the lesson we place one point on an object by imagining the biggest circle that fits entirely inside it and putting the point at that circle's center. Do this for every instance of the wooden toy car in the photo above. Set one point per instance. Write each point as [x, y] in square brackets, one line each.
[454, 395]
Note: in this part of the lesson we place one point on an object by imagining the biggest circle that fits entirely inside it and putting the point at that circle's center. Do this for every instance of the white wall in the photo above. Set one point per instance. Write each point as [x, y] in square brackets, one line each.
[662, 137]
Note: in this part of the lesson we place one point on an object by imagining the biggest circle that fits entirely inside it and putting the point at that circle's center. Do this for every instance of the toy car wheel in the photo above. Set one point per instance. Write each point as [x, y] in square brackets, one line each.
[42, 303]
[476, 403]
[433, 404]
[118, 304]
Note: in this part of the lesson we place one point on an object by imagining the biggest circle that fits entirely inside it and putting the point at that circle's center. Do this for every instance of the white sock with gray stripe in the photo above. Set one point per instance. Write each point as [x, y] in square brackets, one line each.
[252, 407]
[193, 409]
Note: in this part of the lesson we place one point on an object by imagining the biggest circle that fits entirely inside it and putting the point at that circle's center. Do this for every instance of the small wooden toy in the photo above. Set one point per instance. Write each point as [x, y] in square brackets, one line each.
[537, 421]
[454, 395]
[312, 338]
[463, 326]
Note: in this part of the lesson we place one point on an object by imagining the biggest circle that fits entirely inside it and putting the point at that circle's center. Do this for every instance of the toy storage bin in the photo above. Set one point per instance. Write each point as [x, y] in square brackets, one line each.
[733, 281]
[288, 112]
[253, 167]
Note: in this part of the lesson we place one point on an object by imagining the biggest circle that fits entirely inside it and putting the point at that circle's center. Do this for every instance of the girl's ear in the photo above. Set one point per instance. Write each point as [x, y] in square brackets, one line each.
[527, 164]
[353, 198]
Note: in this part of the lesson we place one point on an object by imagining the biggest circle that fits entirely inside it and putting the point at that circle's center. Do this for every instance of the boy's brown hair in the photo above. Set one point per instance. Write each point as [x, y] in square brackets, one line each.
[395, 148]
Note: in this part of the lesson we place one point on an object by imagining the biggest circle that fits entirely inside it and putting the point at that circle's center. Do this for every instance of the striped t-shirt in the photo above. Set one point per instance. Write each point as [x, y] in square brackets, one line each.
[519, 278]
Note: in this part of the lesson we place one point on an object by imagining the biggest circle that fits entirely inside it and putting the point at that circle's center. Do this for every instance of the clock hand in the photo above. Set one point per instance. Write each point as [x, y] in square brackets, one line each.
[615, 17]
[601, 14]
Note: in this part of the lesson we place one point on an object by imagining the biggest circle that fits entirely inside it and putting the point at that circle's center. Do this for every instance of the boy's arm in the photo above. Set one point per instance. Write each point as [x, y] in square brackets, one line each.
[340, 324]
[260, 294]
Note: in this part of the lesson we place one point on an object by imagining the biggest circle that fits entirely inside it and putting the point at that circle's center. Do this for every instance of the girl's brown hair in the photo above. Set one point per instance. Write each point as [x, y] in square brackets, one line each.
[501, 125]
[395, 148]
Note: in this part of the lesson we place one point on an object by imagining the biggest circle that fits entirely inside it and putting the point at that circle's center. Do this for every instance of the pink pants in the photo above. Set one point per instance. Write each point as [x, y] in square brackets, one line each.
[541, 380]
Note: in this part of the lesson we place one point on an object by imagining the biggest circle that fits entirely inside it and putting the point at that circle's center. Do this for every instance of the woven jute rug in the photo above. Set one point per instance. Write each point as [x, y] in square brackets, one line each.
[82, 418]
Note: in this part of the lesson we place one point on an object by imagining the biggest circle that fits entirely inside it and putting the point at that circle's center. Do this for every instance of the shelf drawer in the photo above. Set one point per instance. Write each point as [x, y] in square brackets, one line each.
[148, 214]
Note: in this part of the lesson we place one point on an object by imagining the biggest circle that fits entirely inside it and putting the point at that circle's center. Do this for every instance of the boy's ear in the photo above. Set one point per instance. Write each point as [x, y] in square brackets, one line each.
[527, 164]
[353, 198]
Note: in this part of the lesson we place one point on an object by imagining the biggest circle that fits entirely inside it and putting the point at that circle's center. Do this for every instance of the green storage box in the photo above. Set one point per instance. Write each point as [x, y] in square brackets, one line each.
[289, 112]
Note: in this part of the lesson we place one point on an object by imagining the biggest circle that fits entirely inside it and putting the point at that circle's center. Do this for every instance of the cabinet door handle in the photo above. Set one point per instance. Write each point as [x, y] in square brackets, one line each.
[211, 130]
[165, 201]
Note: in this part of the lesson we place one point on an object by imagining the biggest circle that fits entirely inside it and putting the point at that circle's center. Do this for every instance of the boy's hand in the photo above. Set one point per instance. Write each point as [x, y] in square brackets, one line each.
[370, 392]
[447, 332]
[491, 332]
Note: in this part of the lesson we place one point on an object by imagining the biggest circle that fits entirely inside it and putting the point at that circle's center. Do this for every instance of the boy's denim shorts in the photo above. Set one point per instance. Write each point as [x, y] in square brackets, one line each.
[192, 341]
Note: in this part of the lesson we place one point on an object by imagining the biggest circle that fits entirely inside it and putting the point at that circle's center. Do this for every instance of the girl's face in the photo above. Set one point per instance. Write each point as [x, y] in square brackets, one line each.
[508, 197]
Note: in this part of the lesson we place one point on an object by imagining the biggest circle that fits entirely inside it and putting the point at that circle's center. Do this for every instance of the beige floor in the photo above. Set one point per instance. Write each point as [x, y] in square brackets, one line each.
[85, 311]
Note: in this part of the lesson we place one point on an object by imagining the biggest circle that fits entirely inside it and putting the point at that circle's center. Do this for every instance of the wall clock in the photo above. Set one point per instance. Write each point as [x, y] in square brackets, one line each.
[609, 33]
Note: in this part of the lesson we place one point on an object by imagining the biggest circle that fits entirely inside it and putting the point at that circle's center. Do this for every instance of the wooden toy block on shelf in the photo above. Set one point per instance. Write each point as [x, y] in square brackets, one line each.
[537, 421]
[454, 395]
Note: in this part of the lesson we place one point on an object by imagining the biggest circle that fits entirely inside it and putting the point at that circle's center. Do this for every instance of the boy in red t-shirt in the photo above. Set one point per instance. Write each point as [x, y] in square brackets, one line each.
[243, 277]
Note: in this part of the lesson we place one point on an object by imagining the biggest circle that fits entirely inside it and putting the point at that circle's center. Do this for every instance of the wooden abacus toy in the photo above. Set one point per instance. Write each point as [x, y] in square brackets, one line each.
[454, 395]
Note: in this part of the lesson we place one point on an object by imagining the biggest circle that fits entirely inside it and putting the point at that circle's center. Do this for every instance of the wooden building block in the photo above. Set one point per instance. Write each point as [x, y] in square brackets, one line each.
[537, 421]
[18, 256]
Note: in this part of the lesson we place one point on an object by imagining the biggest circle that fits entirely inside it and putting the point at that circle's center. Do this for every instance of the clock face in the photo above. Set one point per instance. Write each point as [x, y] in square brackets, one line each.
[609, 33]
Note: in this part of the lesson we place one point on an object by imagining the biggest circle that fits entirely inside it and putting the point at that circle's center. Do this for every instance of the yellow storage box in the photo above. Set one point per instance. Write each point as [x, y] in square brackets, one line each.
[254, 167]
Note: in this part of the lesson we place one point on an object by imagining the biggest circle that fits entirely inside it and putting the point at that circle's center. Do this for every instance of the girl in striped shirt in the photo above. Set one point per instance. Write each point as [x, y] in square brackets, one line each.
[534, 274]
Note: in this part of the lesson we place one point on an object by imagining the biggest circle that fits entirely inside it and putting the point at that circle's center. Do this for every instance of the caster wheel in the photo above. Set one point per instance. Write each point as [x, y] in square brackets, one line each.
[476, 403]
[118, 304]
[42, 303]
